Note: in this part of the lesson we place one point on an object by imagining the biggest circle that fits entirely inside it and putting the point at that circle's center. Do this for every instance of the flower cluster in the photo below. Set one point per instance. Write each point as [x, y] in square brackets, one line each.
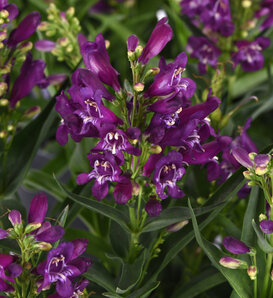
[63, 264]
[159, 129]
[216, 17]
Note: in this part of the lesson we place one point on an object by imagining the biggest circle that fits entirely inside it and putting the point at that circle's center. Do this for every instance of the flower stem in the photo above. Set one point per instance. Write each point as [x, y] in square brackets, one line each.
[271, 291]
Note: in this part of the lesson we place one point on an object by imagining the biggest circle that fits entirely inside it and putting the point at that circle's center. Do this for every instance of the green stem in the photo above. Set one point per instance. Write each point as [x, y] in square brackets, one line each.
[139, 205]
[255, 286]
[132, 215]
[271, 291]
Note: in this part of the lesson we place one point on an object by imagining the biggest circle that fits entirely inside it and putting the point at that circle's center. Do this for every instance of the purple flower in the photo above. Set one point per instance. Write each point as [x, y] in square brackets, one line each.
[10, 8]
[123, 190]
[96, 59]
[61, 265]
[249, 53]
[132, 43]
[193, 8]
[37, 213]
[6, 266]
[204, 50]
[232, 263]
[160, 36]
[105, 168]
[25, 29]
[266, 10]
[241, 155]
[78, 288]
[170, 86]
[31, 74]
[267, 226]
[116, 141]
[168, 170]
[82, 115]
[153, 207]
[3, 234]
[15, 217]
[217, 17]
[235, 246]
[45, 45]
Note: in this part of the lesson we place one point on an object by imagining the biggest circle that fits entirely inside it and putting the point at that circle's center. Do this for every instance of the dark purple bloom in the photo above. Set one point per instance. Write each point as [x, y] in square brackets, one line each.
[204, 50]
[153, 207]
[78, 288]
[6, 266]
[267, 226]
[217, 17]
[241, 155]
[10, 8]
[266, 10]
[123, 190]
[15, 217]
[25, 29]
[116, 141]
[100, 7]
[37, 213]
[105, 168]
[160, 36]
[249, 53]
[132, 43]
[171, 87]
[45, 45]
[193, 8]
[31, 74]
[3, 234]
[56, 79]
[235, 246]
[96, 59]
[61, 265]
[168, 170]
[83, 114]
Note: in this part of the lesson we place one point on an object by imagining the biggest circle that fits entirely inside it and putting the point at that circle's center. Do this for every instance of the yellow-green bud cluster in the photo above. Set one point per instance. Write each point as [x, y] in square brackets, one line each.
[4, 17]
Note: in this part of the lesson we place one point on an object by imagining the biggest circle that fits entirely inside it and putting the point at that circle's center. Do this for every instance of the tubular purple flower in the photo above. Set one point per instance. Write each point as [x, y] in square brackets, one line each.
[132, 43]
[267, 226]
[31, 74]
[15, 217]
[3, 234]
[160, 36]
[241, 155]
[153, 207]
[38, 209]
[266, 10]
[45, 45]
[25, 29]
[235, 246]
[5, 262]
[123, 190]
[96, 59]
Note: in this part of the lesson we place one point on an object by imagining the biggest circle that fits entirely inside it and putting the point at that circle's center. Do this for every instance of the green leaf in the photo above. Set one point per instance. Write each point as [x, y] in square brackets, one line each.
[199, 284]
[262, 242]
[23, 149]
[99, 207]
[131, 274]
[145, 290]
[98, 274]
[238, 279]
[119, 239]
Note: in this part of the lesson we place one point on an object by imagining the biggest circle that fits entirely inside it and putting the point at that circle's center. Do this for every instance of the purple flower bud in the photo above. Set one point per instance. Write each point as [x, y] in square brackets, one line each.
[261, 160]
[232, 263]
[267, 226]
[15, 217]
[25, 29]
[153, 207]
[14, 270]
[45, 45]
[96, 59]
[3, 234]
[235, 246]
[241, 155]
[123, 190]
[160, 36]
[38, 209]
[132, 43]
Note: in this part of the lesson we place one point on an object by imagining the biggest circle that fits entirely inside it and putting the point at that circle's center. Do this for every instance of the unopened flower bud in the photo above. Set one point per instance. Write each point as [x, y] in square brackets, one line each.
[252, 155]
[247, 175]
[155, 149]
[5, 69]
[233, 263]
[27, 266]
[139, 87]
[70, 12]
[135, 191]
[261, 170]
[177, 226]
[32, 227]
[3, 134]
[43, 26]
[12, 233]
[131, 55]
[10, 127]
[201, 200]
[262, 217]
[50, 33]
[3, 88]
[63, 41]
[45, 246]
[31, 112]
[138, 50]
[152, 72]
[107, 44]
[251, 183]
[4, 14]
[69, 49]
[246, 3]
[252, 272]
[3, 35]
[4, 102]
[26, 46]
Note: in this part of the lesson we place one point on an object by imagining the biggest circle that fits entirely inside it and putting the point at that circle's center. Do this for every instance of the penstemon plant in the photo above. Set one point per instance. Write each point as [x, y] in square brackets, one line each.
[143, 153]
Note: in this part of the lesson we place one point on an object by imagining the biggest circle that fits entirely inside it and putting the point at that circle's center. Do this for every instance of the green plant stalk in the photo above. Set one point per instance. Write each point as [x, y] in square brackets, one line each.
[271, 291]
[255, 285]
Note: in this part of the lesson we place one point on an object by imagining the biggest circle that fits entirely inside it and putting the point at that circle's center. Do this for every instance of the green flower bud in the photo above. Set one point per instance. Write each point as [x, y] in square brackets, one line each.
[70, 12]
[262, 217]
[4, 102]
[4, 14]
[252, 272]
[32, 227]
[138, 51]
[139, 87]
[155, 149]
[45, 246]
[3, 88]
[233, 263]
[3, 134]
